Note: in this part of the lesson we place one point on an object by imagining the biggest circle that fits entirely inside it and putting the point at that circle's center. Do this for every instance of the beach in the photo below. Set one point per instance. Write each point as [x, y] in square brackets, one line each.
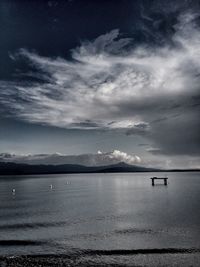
[143, 260]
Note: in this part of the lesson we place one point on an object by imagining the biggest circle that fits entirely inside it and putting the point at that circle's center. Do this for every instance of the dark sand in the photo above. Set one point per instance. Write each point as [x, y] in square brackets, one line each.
[140, 258]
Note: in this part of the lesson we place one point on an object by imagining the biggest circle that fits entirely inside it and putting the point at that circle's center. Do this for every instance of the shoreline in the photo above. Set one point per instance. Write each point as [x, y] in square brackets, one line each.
[141, 257]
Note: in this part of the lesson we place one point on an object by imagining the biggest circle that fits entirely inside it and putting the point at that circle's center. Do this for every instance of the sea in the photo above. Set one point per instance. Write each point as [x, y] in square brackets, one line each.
[117, 218]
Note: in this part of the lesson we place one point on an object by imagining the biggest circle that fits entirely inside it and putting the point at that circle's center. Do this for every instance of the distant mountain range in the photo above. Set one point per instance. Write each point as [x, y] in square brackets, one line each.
[9, 168]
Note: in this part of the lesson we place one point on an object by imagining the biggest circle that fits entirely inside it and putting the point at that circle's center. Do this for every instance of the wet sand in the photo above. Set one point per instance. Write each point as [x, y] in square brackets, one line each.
[142, 258]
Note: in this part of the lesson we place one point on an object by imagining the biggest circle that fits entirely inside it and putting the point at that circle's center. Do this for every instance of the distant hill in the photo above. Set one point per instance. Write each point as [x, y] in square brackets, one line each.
[123, 167]
[8, 168]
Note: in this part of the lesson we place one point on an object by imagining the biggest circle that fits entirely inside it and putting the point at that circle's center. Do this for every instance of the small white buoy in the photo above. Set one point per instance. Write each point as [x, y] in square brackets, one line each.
[13, 191]
[51, 186]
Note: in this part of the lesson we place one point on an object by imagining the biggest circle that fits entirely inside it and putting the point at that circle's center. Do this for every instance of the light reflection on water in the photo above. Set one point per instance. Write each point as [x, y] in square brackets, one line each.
[98, 211]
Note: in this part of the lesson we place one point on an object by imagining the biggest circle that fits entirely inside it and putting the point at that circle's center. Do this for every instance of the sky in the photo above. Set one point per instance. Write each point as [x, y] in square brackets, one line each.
[108, 80]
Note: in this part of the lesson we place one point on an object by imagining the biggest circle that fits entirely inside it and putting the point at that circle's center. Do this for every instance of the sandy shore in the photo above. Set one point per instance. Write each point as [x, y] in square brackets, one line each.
[129, 260]
[32, 261]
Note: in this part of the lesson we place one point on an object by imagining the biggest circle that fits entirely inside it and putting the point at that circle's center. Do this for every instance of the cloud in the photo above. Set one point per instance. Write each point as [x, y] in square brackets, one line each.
[155, 151]
[124, 157]
[99, 159]
[110, 83]
[108, 43]
[141, 128]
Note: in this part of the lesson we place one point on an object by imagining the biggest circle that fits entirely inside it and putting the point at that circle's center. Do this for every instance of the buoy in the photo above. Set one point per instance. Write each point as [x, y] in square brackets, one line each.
[51, 186]
[13, 191]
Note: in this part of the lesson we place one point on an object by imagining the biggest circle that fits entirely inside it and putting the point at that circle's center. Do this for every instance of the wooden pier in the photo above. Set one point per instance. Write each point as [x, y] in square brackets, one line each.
[158, 178]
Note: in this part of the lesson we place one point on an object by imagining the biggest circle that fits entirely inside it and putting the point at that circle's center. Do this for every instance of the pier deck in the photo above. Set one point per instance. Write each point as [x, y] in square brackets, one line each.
[158, 178]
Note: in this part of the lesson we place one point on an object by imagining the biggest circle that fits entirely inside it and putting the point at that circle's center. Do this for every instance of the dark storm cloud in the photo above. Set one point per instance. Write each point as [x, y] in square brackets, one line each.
[143, 144]
[87, 124]
[180, 135]
[144, 82]
[139, 129]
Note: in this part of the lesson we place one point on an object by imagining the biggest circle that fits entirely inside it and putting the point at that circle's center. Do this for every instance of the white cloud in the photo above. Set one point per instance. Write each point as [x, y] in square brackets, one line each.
[105, 82]
[124, 157]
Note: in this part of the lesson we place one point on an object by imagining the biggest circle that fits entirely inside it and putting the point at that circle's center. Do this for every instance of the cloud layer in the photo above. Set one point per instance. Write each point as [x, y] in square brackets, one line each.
[99, 159]
[110, 83]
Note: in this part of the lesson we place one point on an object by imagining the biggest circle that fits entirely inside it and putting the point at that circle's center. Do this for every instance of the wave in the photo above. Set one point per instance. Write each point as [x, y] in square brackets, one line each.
[75, 251]
[135, 231]
[17, 226]
[20, 243]
[142, 251]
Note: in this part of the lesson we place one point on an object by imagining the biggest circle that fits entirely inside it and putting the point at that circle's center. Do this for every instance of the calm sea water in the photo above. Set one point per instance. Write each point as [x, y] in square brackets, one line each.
[98, 212]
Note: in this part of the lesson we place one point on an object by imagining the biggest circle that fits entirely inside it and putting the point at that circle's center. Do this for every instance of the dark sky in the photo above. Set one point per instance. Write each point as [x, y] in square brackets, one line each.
[78, 77]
